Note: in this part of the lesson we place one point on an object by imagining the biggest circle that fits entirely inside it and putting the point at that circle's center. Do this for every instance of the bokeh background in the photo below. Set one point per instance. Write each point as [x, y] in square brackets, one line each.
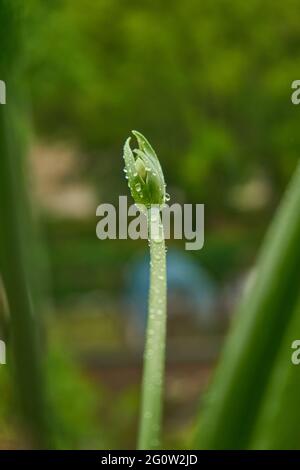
[209, 83]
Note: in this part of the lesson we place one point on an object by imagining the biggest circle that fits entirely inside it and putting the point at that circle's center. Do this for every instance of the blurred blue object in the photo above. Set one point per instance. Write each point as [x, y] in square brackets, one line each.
[191, 291]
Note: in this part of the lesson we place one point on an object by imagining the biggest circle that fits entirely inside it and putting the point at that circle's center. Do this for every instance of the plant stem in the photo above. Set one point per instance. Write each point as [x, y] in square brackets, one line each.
[154, 357]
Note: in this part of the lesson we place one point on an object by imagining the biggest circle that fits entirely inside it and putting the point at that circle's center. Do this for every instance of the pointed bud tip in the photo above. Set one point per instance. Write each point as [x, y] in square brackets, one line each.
[146, 180]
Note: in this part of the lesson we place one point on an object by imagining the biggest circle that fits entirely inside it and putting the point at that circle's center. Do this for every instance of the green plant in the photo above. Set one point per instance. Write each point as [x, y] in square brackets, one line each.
[268, 308]
[17, 253]
[148, 189]
[277, 426]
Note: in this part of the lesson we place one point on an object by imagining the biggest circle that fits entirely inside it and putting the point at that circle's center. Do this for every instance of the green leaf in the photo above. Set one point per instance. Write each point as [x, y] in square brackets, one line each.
[231, 407]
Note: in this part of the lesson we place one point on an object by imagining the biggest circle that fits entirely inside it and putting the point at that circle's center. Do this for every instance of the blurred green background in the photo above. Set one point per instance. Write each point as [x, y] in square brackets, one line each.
[209, 83]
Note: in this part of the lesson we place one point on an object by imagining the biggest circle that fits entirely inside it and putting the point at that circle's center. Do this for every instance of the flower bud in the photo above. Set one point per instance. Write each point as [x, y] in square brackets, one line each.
[140, 168]
[144, 173]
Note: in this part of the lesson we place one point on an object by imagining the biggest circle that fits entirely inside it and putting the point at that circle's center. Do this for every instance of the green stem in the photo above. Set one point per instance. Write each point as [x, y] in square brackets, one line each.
[154, 357]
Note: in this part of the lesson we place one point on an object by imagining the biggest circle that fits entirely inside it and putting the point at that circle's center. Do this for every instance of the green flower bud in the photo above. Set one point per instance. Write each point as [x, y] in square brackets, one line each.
[141, 169]
[144, 173]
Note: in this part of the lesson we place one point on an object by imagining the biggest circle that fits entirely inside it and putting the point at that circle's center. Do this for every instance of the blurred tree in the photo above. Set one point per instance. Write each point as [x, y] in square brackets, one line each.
[209, 82]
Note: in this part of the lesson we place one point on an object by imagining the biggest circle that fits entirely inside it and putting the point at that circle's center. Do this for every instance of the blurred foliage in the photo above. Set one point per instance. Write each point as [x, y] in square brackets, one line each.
[72, 407]
[277, 426]
[19, 273]
[209, 82]
[74, 400]
[258, 348]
